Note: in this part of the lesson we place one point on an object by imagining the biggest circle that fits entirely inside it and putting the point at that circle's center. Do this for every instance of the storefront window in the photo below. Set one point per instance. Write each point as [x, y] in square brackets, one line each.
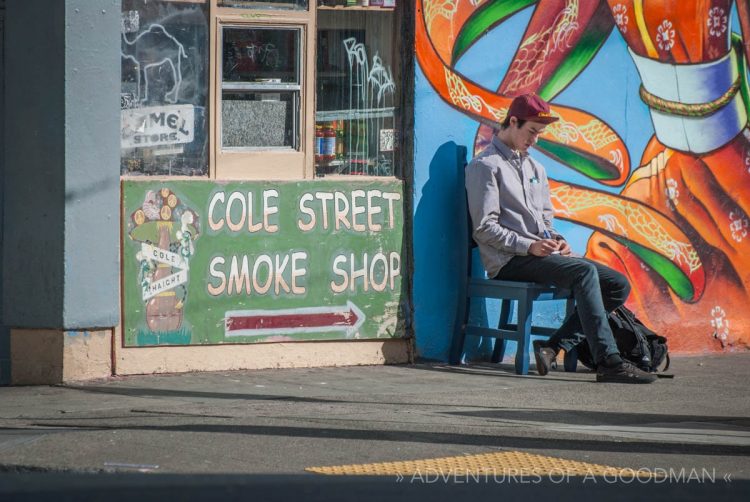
[265, 4]
[164, 91]
[264, 119]
[358, 66]
[260, 87]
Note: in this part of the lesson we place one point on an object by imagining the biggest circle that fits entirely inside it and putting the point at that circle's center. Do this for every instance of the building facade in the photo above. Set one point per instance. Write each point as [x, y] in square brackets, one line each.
[194, 185]
[204, 185]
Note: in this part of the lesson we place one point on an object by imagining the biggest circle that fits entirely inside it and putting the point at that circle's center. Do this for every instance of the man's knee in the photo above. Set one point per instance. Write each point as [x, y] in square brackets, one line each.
[586, 271]
[620, 284]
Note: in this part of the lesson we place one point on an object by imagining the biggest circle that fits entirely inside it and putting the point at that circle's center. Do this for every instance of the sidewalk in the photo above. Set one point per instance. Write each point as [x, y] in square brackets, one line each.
[275, 423]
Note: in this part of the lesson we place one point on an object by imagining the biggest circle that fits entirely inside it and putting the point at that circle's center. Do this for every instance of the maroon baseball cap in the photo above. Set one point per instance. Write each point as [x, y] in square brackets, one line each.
[531, 107]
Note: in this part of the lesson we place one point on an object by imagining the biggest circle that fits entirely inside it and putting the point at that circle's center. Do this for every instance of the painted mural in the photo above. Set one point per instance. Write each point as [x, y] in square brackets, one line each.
[672, 212]
[243, 262]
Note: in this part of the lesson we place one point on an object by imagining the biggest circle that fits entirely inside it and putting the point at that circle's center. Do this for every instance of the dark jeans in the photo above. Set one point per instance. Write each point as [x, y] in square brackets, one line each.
[597, 290]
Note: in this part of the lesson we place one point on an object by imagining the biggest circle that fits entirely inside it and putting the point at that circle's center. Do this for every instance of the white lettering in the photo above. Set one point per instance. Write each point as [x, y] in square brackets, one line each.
[324, 197]
[340, 288]
[263, 260]
[214, 224]
[269, 209]
[236, 197]
[341, 207]
[378, 258]
[395, 268]
[280, 268]
[251, 227]
[357, 210]
[373, 210]
[216, 290]
[237, 278]
[239, 209]
[298, 271]
[379, 272]
[247, 275]
[357, 273]
[307, 197]
[391, 197]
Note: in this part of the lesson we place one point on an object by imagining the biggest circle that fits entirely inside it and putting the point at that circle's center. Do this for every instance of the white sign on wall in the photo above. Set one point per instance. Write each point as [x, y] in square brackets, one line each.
[157, 125]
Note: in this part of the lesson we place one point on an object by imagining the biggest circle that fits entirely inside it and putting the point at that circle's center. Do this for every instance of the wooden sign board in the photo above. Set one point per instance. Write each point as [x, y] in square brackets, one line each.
[244, 262]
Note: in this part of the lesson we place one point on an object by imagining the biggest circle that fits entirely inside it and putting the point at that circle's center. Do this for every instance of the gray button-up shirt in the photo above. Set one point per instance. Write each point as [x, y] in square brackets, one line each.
[509, 202]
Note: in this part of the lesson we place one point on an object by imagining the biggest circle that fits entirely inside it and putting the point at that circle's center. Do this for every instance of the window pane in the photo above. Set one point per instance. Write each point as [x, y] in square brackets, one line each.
[358, 67]
[260, 87]
[259, 119]
[164, 90]
[269, 55]
[265, 4]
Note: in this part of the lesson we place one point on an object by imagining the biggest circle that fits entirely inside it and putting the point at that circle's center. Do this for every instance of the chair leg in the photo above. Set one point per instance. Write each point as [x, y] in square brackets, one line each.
[571, 360]
[499, 352]
[525, 309]
[571, 357]
[459, 332]
[506, 309]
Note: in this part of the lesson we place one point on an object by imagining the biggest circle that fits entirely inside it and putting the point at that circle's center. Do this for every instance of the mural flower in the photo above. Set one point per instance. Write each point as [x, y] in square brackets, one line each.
[672, 193]
[738, 225]
[717, 22]
[620, 13]
[665, 36]
[720, 324]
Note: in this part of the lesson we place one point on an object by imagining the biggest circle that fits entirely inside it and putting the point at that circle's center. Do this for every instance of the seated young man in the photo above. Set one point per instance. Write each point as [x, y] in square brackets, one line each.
[511, 214]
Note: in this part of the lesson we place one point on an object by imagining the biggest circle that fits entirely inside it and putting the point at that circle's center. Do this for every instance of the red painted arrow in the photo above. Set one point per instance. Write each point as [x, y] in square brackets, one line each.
[305, 319]
[292, 321]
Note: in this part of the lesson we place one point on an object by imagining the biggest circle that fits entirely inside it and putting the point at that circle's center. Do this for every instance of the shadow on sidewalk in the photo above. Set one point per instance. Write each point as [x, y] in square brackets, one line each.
[513, 441]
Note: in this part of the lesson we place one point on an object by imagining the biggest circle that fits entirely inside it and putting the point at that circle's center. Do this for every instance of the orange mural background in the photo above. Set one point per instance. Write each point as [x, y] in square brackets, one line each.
[677, 225]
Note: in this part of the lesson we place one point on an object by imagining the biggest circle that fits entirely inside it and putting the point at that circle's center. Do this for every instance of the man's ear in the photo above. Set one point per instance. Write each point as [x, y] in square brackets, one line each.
[513, 121]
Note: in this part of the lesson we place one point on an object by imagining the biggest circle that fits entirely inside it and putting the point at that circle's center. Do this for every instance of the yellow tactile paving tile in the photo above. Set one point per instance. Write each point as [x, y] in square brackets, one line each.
[516, 462]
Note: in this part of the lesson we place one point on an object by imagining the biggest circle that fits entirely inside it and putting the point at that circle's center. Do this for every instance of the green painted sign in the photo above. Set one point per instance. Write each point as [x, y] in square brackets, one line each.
[243, 262]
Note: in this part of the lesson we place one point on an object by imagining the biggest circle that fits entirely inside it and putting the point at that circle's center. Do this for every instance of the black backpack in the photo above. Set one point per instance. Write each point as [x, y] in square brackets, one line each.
[637, 343]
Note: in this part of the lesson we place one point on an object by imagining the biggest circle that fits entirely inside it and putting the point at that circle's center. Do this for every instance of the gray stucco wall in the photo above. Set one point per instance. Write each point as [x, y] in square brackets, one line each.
[34, 165]
[61, 193]
[92, 159]
[4, 331]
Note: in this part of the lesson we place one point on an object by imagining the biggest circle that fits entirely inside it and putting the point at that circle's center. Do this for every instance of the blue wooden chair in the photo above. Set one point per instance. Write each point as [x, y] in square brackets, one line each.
[524, 294]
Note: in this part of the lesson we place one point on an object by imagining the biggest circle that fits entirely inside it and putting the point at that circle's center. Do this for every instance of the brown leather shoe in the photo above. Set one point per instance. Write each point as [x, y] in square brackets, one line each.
[546, 357]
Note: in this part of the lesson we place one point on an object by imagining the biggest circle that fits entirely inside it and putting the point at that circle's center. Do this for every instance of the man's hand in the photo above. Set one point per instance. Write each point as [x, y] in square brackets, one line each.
[564, 248]
[545, 247]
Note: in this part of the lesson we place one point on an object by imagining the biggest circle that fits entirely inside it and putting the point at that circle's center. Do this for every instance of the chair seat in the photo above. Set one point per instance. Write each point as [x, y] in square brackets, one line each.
[514, 290]
[524, 294]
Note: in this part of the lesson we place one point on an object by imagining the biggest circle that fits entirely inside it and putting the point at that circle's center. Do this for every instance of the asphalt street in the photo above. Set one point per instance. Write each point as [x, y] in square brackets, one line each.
[271, 433]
